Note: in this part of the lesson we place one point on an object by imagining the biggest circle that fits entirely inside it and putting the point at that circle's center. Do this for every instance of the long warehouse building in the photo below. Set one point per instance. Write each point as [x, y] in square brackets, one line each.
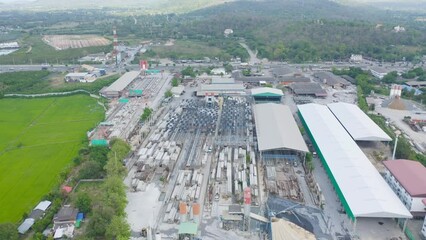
[116, 88]
[357, 123]
[277, 131]
[362, 190]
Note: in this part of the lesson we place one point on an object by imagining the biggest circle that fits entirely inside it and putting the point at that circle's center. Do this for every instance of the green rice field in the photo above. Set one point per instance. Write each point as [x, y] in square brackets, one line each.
[38, 139]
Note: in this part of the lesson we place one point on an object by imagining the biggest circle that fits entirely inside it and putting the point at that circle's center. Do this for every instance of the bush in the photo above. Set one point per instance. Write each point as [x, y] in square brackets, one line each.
[83, 202]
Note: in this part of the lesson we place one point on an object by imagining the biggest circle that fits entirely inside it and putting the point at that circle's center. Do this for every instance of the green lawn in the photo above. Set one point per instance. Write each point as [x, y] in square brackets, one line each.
[39, 137]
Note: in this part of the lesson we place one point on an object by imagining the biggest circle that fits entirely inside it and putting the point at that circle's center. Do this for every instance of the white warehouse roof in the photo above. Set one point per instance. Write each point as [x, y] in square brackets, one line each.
[362, 189]
[122, 82]
[357, 123]
[277, 129]
[266, 90]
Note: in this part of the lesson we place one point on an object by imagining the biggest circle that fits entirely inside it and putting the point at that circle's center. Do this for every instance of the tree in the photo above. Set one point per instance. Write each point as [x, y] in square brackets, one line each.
[100, 220]
[83, 202]
[390, 77]
[146, 114]
[90, 170]
[98, 154]
[188, 71]
[175, 82]
[115, 194]
[8, 231]
[118, 229]
[168, 94]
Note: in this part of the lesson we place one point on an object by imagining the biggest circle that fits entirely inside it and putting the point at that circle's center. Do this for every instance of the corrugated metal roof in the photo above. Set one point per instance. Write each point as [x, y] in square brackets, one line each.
[43, 205]
[277, 129]
[266, 90]
[362, 187]
[285, 230]
[410, 174]
[122, 82]
[357, 123]
[26, 225]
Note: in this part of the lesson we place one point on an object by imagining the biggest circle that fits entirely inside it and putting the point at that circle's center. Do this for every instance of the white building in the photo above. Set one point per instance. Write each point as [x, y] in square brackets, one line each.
[228, 32]
[379, 72]
[408, 180]
[399, 29]
[80, 77]
[356, 58]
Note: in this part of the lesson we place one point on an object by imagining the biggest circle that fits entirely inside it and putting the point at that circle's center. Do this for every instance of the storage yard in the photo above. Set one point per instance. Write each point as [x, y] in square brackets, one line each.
[207, 163]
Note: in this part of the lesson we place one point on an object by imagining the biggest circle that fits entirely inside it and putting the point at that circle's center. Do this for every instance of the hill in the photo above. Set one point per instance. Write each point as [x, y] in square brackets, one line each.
[141, 6]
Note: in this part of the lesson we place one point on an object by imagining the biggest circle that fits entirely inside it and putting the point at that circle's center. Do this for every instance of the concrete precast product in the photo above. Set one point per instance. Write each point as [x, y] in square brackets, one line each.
[169, 207]
[229, 177]
[218, 172]
[236, 188]
[197, 193]
[200, 180]
[142, 151]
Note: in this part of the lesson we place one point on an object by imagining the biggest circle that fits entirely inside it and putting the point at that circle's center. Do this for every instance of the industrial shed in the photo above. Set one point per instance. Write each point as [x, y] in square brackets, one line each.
[331, 80]
[308, 89]
[362, 190]
[267, 94]
[357, 123]
[221, 89]
[116, 88]
[278, 135]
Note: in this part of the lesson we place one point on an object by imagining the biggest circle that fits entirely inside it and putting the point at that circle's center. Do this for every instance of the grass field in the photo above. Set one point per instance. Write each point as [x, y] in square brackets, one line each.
[185, 49]
[39, 137]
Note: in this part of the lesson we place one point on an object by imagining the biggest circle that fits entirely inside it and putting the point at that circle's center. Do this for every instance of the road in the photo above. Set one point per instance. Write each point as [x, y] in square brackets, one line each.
[253, 56]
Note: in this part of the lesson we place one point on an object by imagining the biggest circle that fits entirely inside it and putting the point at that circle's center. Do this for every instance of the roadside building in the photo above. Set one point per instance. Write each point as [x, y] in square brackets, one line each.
[38, 212]
[80, 77]
[222, 80]
[331, 80]
[266, 94]
[187, 230]
[407, 179]
[417, 84]
[283, 71]
[116, 89]
[379, 72]
[218, 71]
[296, 78]
[308, 89]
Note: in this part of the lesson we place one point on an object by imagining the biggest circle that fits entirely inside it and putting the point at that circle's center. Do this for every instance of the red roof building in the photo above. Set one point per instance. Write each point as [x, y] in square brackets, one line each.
[408, 180]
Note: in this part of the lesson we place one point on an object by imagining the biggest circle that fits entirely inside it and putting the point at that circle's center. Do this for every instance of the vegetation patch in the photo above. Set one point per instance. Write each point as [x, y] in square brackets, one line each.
[39, 139]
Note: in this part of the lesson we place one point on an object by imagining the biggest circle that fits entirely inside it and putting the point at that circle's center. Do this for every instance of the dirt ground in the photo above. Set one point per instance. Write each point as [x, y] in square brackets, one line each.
[61, 42]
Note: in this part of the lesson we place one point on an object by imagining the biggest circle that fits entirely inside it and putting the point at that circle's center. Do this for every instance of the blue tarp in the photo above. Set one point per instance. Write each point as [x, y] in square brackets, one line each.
[80, 216]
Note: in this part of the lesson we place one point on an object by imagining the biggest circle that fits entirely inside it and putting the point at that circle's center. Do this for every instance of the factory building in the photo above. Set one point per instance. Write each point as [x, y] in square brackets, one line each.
[220, 89]
[267, 94]
[408, 180]
[278, 135]
[357, 123]
[308, 89]
[117, 88]
[331, 80]
[361, 189]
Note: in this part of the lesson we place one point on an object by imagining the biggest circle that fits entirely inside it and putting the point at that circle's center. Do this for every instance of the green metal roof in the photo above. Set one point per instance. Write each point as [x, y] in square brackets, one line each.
[123, 100]
[188, 228]
[99, 142]
[267, 95]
